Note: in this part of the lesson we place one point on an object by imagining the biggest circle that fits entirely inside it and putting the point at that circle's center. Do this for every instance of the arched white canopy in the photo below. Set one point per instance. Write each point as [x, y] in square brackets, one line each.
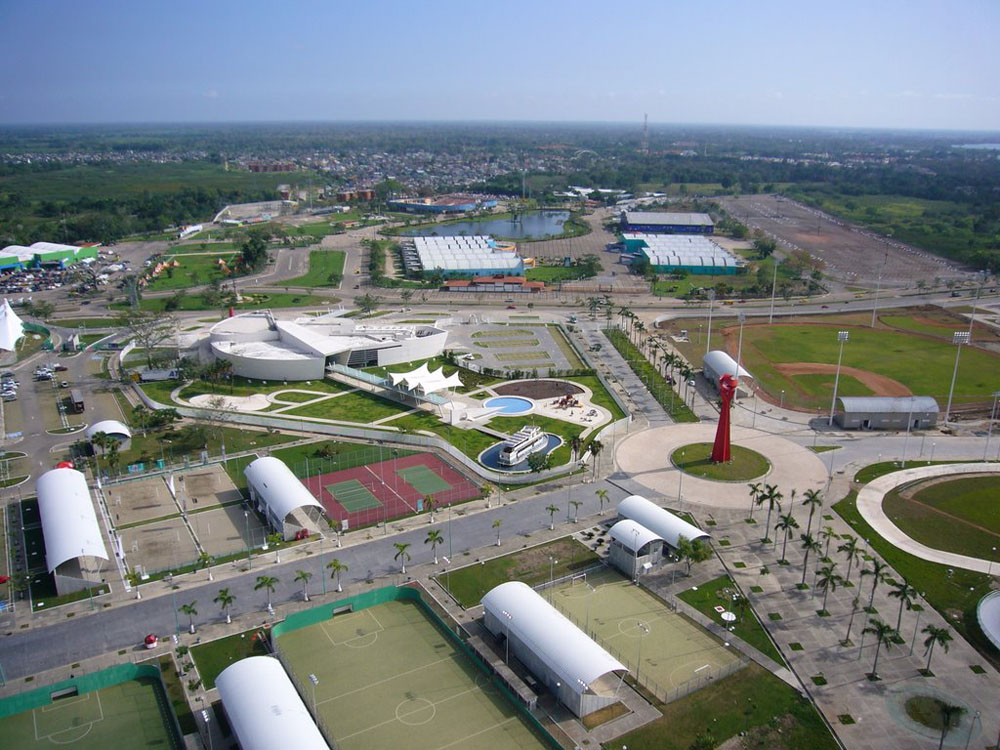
[278, 487]
[661, 522]
[565, 649]
[11, 327]
[111, 427]
[69, 523]
[264, 709]
[721, 364]
[631, 535]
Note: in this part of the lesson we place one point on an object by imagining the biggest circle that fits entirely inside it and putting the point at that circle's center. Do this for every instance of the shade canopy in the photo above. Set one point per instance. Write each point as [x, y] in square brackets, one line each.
[11, 327]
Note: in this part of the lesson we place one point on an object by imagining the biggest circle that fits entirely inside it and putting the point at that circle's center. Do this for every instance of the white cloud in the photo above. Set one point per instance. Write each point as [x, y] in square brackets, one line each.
[211, 94]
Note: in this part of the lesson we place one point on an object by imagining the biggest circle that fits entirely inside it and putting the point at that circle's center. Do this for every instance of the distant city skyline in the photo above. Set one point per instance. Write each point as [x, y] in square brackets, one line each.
[887, 65]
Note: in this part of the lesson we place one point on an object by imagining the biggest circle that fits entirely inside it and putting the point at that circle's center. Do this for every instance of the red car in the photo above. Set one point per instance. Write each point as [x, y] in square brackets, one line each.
[511, 307]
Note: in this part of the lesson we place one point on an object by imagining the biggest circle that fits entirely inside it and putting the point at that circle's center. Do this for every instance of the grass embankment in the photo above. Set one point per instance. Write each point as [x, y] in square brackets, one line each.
[696, 459]
[719, 592]
[531, 566]
[662, 391]
[952, 592]
[360, 407]
[752, 699]
[213, 657]
[191, 440]
[326, 268]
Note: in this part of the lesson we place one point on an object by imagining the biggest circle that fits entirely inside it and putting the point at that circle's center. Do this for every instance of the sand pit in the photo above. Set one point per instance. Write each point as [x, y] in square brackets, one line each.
[539, 389]
[256, 402]
[880, 385]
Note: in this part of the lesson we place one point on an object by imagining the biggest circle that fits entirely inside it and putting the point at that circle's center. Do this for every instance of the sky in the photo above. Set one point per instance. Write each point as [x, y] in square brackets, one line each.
[920, 64]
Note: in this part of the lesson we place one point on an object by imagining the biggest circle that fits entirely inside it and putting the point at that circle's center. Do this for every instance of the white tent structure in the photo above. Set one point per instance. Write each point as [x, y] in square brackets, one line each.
[111, 427]
[570, 664]
[70, 528]
[11, 327]
[659, 521]
[281, 497]
[423, 381]
[264, 709]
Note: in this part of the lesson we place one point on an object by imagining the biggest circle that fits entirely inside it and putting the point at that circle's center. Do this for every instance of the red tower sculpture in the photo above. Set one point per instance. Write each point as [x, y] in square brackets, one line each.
[727, 389]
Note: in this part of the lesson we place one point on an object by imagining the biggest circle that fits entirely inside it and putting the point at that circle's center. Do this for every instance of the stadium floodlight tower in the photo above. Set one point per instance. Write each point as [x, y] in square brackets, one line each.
[989, 432]
[958, 338]
[742, 317]
[842, 337]
[711, 304]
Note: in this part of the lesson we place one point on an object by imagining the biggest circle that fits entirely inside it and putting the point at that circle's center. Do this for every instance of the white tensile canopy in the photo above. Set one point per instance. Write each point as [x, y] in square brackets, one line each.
[11, 327]
[424, 381]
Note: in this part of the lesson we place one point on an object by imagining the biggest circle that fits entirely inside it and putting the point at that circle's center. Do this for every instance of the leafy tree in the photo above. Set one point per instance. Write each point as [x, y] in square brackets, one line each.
[764, 247]
[337, 568]
[434, 538]
[692, 551]
[148, 329]
[225, 601]
[401, 554]
[935, 635]
[267, 583]
[368, 303]
[539, 461]
[190, 610]
[253, 249]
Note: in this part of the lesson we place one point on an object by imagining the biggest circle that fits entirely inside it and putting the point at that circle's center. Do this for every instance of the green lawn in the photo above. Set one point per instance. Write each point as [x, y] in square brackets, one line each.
[600, 396]
[719, 592]
[194, 270]
[204, 247]
[751, 698]
[247, 387]
[566, 347]
[252, 301]
[213, 657]
[874, 471]
[531, 566]
[959, 515]
[470, 442]
[360, 407]
[662, 391]
[322, 265]
[696, 459]
[954, 595]
[189, 441]
[82, 322]
[550, 274]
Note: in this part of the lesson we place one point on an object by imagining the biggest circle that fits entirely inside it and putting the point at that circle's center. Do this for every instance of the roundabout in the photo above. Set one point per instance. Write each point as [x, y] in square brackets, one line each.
[645, 456]
[695, 459]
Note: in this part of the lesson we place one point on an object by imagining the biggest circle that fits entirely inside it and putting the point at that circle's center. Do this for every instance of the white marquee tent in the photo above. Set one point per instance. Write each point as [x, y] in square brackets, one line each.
[11, 327]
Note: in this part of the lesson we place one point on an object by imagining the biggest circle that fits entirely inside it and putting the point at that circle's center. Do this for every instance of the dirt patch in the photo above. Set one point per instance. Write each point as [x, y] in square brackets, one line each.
[880, 385]
[539, 389]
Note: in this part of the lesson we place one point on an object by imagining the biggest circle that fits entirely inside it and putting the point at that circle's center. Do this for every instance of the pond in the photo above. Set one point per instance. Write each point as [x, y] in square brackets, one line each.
[490, 457]
[532, 225]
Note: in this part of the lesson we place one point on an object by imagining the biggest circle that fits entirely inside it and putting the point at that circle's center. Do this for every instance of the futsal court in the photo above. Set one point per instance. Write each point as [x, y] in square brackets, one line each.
[388, 677]
[639, 629]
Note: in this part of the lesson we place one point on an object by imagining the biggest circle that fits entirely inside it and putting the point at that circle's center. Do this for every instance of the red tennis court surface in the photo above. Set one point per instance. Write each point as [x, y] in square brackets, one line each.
[383, 480]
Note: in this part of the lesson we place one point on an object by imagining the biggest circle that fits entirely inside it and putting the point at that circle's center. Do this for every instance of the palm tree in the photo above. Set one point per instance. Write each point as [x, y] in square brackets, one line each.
[113, 457]
[552, 509]
[429, 503]
[827, 581]
[576, 509]
[574, 446]
[336, 568]
[950, 714]
[595, 449]
[496, 525]
[878, 574]
[268, 583]
[225, 601]
[828, 534]
[849, 548]
[756, 489]
[602, 497]
[275, 540]
[101, 440]
[434, 538]
[190, 610]
[935, 635]
[773, 498]
[205, 560]
[785, 524]
[905, 593]
[850, 623]
[336, 527]
[401, 554]
[304, 576]
[809, 544]
[813, 500]
[884, 634]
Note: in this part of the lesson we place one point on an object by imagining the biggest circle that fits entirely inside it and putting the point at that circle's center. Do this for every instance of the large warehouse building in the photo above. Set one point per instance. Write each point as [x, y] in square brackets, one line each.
[476, 255]
[886, 413]
[693, 253]
[42, 254]
[581, 674]
[73, 540]
[445, 204]
[261, 347]
[667, 223]
[288, 506]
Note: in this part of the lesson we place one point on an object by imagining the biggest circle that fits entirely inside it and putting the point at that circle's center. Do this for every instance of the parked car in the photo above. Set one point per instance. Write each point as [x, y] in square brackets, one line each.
[64, 384]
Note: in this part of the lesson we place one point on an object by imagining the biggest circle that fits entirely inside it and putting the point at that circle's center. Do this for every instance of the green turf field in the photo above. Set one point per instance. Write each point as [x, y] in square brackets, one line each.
[389, 678]
[127, 715]
[423, 480]
[958, 515]
[674, 655]
[353, 496]
[322, 264]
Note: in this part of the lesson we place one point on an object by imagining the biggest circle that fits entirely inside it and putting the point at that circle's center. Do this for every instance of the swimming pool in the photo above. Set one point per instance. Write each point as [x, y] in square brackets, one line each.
[510, 405]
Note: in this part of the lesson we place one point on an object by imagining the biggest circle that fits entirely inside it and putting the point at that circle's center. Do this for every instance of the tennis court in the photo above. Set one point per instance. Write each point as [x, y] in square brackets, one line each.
[353, 495]
[388, 677]
[672, 652]
[131, 714]
[422, 479]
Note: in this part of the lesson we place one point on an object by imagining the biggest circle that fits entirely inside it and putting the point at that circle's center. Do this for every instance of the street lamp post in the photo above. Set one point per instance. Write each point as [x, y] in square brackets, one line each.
[711, 305]
[742, 316]
[958, 338]
[878, 285]
[508, 617]
[246, 520]
[315, 681]
[638, 656]
[989, 431]
[916, 627]
[635, 557]
[842, 337]
[552, 568]
[909, 422]
[774, 288]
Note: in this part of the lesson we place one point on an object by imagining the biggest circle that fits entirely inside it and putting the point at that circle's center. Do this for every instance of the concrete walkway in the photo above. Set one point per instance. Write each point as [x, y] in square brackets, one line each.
[870, 506]
[645, 458]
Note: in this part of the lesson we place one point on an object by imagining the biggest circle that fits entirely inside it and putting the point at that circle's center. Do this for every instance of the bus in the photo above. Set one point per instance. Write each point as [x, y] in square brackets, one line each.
[76, 400]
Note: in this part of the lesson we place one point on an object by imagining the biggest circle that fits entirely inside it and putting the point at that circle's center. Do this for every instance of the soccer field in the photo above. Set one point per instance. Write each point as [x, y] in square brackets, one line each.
[131, 714]
[388, 677]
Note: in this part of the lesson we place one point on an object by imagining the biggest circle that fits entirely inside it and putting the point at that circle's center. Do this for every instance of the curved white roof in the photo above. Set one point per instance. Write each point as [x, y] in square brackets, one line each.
[110, 427]
[893, 405]
[722, 364]
[263, 707]
[988, 614]
[562, 646]
[69, 523]
[11, 327]
[631, 535]
[661, 522]
[278, 486]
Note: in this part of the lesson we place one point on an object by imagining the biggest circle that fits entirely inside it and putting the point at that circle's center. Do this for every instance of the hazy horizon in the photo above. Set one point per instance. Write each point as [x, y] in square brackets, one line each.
[894, 65]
